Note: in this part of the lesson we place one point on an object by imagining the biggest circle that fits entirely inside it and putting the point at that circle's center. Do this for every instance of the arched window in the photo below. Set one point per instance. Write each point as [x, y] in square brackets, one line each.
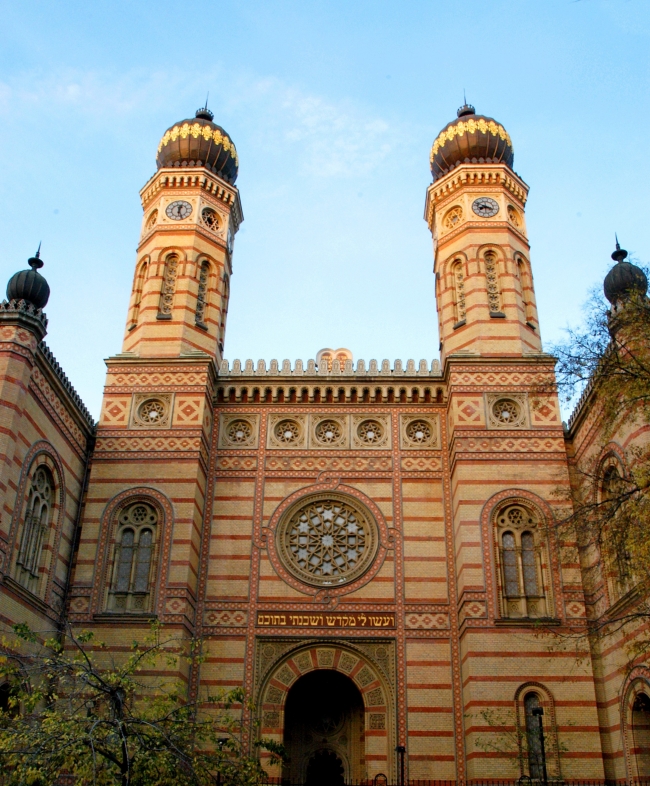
[533, 738]
[224, 311]
[131, 589]
[492, 280]
[202, 294]
[523, 560]
[38, 517]
[617, 556]
[137, 292]
[459, 291]
[168, 287]
[525, 289]
[641, 734]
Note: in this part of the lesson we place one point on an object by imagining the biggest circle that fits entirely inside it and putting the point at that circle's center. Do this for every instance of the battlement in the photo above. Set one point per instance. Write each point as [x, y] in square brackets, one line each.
[373, 369]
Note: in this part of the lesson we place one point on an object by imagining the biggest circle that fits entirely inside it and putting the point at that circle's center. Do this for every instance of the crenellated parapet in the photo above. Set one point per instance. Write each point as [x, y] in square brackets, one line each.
[338, 369]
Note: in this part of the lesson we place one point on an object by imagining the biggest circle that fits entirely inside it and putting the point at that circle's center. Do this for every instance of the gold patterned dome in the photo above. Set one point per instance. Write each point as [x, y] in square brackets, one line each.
[471, 138]
[199, 142]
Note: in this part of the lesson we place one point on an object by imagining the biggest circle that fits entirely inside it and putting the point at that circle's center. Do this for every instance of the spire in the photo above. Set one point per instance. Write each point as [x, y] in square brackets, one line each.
[36, 262]
[620, 253]
[465, 109]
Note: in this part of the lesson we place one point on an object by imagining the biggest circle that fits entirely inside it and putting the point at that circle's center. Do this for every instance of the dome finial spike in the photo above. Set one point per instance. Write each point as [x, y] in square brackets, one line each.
[620, 253]
[206, 99]
[35, 262]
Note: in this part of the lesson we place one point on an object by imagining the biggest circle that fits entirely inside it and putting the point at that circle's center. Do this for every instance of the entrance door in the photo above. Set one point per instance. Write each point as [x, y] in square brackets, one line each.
[324, 730]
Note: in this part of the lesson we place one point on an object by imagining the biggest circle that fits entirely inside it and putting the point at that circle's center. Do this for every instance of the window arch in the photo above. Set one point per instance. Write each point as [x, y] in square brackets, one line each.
[525, 288]
[133, 558]
[225, 297]
[523, 560]
[37, 522]
[458, 279]
[137, 291]
[202, 294]
[534, 703]
[492, 280]
[168, 287]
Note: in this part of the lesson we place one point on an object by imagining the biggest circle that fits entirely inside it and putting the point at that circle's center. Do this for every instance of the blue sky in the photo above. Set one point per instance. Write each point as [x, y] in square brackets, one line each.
[333, 107]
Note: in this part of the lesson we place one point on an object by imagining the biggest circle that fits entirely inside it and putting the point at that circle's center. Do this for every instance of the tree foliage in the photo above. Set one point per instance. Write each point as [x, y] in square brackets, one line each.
[607, 362]
[76, 712]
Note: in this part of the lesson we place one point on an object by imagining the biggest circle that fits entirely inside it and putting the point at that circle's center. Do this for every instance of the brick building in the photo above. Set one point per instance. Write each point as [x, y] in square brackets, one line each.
[363, 546]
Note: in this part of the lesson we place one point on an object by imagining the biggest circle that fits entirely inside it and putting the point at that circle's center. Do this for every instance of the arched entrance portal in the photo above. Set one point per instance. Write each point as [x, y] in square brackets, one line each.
[324, 730]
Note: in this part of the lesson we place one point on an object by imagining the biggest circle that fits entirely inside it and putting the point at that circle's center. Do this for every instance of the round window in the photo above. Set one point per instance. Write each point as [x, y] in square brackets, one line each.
[370, 432]
[419, 432]
[152, 411]
[329, 432]
[210, 218]
[239, 432]
[287, 431]
[327, 540]
[506, 411]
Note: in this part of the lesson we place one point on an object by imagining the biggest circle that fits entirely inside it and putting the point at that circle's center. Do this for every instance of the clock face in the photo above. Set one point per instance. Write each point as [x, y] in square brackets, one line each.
[485, 207]
[177, 211]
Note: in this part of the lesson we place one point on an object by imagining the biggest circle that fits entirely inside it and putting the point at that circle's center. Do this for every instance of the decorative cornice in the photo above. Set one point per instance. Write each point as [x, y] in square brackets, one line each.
[59, 373]
[20, 310]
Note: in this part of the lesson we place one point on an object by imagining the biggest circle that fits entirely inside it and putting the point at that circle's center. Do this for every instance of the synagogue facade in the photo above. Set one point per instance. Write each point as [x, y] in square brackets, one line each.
[367, 547]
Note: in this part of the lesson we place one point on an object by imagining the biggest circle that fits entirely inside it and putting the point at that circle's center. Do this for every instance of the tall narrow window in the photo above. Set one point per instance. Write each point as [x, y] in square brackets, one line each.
[202, 294]
[492, 279]
[224, 311]
[510, 569]
[168, 287]
[459, 291]
[137, 293]
[641, 734]
[533, 740]
[521, 551]
[35, 526]
[616, 553]
[525, 289]
[130, 589]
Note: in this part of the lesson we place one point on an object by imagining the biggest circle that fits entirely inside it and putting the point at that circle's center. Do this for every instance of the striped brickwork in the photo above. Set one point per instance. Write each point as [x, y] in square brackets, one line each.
[42, 423]
[617, 680]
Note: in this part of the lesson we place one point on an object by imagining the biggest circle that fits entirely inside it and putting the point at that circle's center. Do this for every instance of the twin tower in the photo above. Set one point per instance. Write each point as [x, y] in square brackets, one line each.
[474, 209]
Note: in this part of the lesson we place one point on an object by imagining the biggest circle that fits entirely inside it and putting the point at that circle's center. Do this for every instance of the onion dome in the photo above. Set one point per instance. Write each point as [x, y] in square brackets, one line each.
[471, 138]
[624, 277]
[199, 142]
[29, 285]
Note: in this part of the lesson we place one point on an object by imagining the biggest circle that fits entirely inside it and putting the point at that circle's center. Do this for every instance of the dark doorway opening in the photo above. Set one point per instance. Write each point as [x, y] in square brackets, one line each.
[324, 731]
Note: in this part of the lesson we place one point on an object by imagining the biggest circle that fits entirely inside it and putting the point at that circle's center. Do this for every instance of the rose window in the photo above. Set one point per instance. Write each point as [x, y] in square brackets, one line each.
[153, 217]
[513, 215]
[370, 432]
[419, 432]
[287, 431]
[327, 540]
[506, 411]
[453, 217]
[151, 411]
[210, 218]
[328, 432]
[239, 431]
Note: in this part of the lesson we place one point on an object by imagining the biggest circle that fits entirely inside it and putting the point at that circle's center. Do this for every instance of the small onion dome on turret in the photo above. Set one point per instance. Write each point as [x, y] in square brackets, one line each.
[471, 138]
[29, 285]
[199, 142]
[623, 278]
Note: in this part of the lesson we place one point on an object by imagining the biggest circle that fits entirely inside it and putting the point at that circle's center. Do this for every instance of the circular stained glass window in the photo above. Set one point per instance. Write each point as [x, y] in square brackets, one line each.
[327, 540]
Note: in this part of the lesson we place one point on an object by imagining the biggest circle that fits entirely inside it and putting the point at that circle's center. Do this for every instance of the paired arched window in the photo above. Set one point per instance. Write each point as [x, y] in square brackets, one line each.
[523, 560]
[458, 279]
[492, 281]
[168, 287]
[135, 543]
[37, 521]
[202, 294]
